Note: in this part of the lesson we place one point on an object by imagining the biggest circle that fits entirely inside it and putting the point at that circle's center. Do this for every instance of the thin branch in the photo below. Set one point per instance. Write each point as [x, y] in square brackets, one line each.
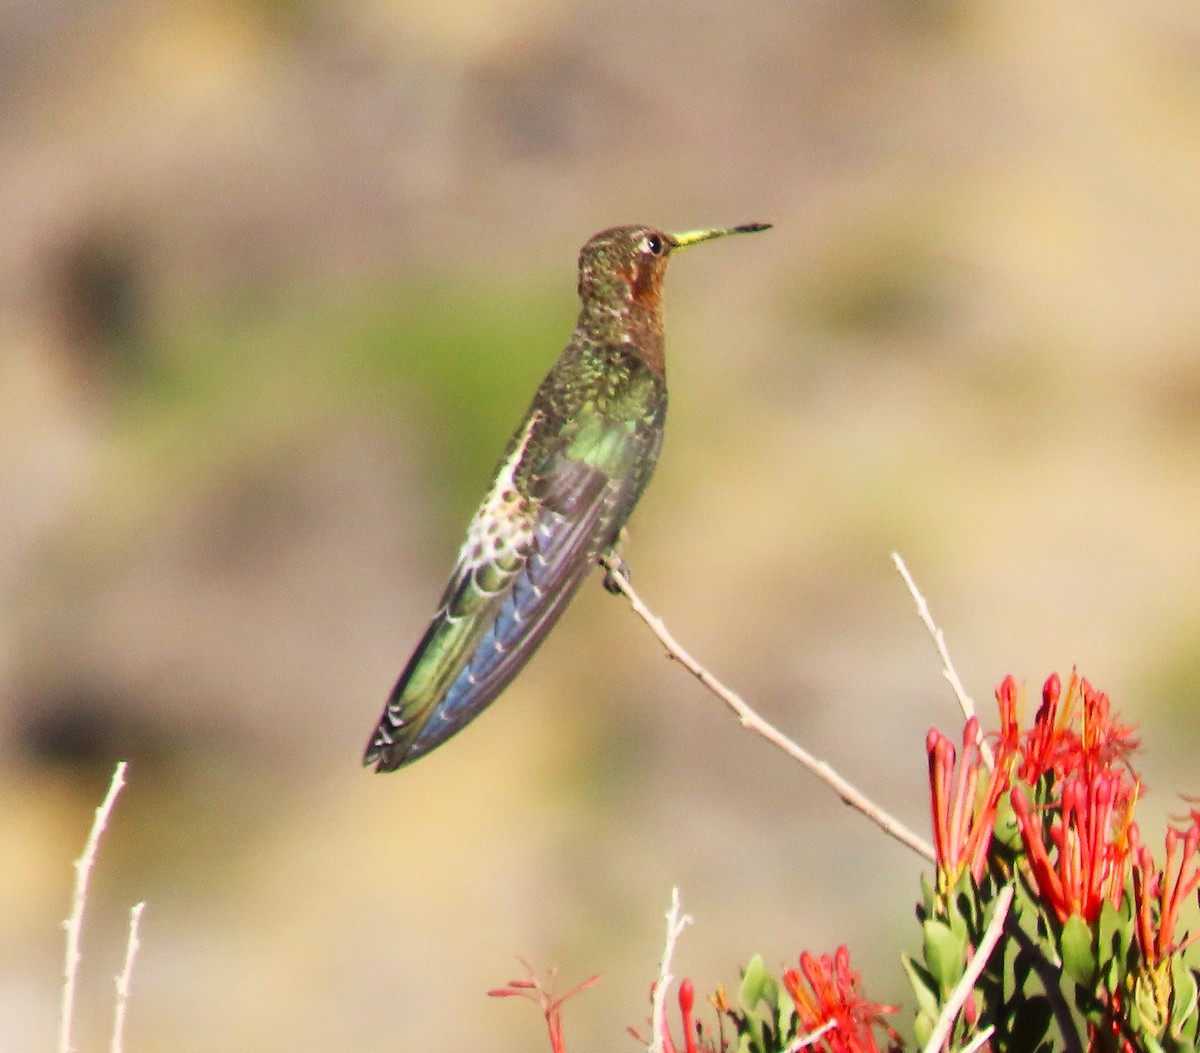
[804, 1041]
[753, 722]
[965, 702]
[73, 924]
[975, 966]
[131, 949]
[939, 638]
[676, 923]
[979, 1040]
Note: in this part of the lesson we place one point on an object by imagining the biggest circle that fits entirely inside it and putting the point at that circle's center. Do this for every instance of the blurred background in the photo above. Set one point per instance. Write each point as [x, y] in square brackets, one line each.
[277, 280]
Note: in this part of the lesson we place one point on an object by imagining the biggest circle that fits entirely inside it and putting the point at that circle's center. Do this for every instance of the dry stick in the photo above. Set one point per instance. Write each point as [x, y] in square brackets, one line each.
[966, 984]
[978, 1041]
[965, 702]
[676, 923]
[804, 1041]
[939, 639]
[753, 722]
[131, 949]
[73, 924]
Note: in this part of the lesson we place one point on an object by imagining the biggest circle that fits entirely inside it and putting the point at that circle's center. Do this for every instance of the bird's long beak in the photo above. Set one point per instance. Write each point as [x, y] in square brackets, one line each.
[692, 237]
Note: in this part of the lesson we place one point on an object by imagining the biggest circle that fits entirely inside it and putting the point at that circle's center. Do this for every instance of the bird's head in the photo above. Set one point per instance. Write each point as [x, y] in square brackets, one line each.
[622, 268]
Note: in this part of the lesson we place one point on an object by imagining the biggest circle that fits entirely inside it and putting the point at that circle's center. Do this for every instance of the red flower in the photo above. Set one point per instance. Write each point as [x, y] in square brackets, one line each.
[696, 1037]
[826, 991]
[1043, 740]
[1053, 744]
[1092, 794]
[1158, 895]
[1009, 698]
[1091, 844]
[963, 821]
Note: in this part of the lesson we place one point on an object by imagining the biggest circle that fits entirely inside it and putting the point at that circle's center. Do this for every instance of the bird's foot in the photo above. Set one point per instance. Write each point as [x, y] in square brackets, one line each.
[613, 564]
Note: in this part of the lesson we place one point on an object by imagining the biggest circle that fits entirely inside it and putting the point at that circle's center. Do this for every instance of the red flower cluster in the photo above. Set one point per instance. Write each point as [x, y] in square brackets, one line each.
[1159, 895]
[1093, 791]
[1054, 744]
[963, 821]
[826, 994]
[1074, 758]
[1073, 794]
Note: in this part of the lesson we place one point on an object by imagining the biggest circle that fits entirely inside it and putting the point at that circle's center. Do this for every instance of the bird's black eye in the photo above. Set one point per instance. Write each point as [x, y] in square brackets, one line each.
[655, 244]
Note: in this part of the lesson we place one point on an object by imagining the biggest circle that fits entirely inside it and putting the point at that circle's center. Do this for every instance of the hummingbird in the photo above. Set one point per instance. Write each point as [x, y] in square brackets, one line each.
[569, 479]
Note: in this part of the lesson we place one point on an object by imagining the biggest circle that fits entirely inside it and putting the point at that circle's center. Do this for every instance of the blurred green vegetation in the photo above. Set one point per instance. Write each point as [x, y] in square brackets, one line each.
[458, 354]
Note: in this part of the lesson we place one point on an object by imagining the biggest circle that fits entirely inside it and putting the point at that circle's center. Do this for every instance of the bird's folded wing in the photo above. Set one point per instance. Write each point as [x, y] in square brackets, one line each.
[502, 600]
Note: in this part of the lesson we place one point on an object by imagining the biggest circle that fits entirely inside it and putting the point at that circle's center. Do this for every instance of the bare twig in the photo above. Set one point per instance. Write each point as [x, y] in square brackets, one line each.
[74, 923]
[804, 1041]
[131, 949]
[676, 923]
[966, 703]
[978, 1041]
[753, 722]
[975, 966]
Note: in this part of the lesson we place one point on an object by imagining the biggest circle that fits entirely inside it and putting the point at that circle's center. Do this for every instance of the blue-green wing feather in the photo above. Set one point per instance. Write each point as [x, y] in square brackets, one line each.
[495, 614]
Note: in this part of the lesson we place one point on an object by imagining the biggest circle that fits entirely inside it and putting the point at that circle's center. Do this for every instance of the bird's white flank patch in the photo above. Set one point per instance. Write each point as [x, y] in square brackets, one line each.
[503, 526]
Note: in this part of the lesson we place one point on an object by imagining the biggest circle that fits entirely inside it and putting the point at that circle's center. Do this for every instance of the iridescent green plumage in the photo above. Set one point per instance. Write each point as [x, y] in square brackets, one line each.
[570, 478]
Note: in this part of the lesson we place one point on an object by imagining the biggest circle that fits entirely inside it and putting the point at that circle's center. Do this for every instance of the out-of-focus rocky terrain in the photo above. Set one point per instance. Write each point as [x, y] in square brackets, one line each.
[277, 280]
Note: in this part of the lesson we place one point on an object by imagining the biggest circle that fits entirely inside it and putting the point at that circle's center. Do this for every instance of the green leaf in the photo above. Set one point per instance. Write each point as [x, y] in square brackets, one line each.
[1006, 832]
[945, 954]
[1112, 975]
[925, 909]
[1183, 997]
[1030, 1023]
[1110, 932]
[923, 1028]
[786, 1020]
[770, 995]
[1043, 791]
[1045, 935]
[1025, 901]
[1145, 1002]
[924, 986]
[961, 915]
[1178, 1044]
[754, 984]
[1078, 954]
[1090, 1006]
[1022, 967]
